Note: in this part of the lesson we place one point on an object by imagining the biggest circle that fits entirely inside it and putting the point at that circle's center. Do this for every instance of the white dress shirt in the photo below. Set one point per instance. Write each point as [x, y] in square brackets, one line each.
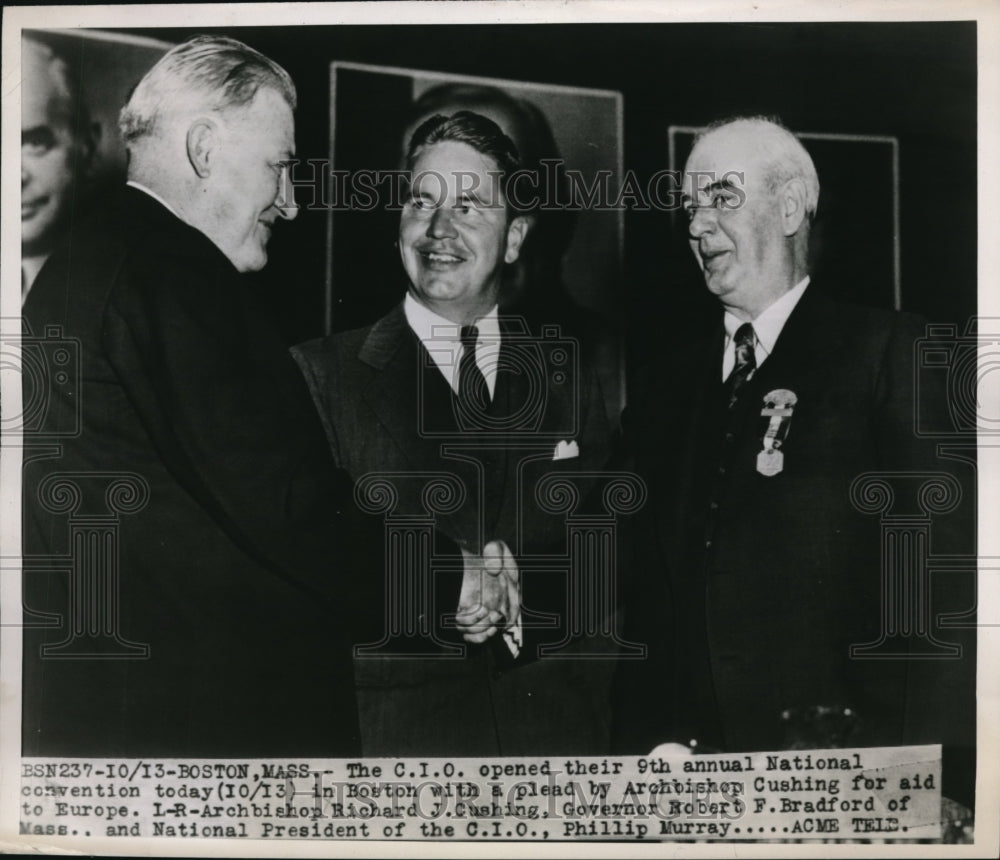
[766, 328]
[443, 340]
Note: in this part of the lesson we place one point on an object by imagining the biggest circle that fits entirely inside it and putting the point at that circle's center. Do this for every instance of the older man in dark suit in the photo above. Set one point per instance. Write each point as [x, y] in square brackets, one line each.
[193, 532]
[444, 386]
[755, 574]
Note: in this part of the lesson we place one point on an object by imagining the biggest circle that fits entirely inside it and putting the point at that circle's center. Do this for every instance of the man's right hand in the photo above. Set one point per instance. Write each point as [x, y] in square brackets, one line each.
[490, 596]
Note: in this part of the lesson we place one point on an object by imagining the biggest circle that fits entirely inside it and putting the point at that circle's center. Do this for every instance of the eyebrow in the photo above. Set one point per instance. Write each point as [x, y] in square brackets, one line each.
[472, 197]
[38, 131]
[711, 188]
[467, 198]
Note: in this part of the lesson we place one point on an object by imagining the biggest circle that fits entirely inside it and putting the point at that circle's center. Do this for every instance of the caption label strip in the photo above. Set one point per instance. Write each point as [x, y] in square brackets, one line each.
[883, 793]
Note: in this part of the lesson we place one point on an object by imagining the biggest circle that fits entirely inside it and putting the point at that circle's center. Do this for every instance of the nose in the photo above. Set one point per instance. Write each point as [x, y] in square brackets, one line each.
[285, 201]
[702, 221]
[441, 225]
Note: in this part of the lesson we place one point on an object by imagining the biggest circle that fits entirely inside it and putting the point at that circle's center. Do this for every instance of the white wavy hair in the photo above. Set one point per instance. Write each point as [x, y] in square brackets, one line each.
[782, 153]
[215, 73]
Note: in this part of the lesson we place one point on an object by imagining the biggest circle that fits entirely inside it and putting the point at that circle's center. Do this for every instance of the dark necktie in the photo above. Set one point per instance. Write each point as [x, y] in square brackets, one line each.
[746, 361]
[472, 388]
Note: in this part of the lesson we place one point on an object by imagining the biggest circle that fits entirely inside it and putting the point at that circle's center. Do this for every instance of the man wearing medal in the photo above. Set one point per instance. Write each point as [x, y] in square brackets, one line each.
[753, 572]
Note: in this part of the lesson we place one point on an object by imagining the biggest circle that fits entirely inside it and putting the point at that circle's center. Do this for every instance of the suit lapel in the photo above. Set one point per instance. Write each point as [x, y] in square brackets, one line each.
[397, 393]
[805, 352]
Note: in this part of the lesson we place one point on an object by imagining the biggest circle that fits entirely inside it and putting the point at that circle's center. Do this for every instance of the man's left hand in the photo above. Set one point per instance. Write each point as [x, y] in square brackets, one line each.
[490, 596]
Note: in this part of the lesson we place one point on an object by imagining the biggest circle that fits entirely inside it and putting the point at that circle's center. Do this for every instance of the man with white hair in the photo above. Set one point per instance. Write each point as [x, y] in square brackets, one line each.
[213, 610]
[755, 574]
[57, 149]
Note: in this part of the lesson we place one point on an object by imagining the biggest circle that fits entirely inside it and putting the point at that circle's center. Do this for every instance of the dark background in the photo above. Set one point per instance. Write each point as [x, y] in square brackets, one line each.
[916, 81]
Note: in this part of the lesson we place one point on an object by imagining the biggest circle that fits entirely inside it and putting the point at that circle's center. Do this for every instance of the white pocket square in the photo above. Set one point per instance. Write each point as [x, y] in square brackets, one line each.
[566, 450]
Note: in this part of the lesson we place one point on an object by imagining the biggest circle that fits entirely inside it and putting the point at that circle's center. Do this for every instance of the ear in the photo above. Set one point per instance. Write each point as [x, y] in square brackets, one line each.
[793, 206]
[89, 142]
[202, 137]
[517, 230]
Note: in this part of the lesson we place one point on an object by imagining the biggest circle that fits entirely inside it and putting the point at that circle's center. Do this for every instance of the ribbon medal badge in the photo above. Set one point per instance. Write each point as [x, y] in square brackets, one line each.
[778, 406]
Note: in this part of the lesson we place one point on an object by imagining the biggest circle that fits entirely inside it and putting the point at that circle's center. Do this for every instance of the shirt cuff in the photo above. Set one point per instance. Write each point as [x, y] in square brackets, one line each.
[513, 638]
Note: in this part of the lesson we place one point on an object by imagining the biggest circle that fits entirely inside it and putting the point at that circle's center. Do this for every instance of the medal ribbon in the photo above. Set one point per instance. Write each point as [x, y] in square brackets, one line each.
[778, 405]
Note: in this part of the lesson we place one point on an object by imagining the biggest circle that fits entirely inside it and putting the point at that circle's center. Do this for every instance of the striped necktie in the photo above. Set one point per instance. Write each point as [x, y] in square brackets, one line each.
[746, 361]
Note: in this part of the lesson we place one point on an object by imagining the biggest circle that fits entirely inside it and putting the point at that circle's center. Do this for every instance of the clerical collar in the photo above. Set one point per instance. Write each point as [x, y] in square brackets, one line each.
[442, 339]
[139, 186]
[768, 324]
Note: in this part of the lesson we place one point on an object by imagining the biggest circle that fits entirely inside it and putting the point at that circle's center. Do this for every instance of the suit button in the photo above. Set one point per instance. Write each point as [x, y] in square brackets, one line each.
[722, 470]
[713, 506]
[730, 437]
[708, 544]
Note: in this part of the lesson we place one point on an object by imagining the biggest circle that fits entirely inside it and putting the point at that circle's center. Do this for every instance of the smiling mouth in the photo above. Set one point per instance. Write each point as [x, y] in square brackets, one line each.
[29, 209]
[440, 258]
[709, 257]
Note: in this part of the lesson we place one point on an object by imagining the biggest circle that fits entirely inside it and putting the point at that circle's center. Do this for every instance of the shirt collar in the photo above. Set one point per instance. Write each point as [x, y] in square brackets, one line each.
[769, 323]
[155, 196]
[432, 327]
[443, 341]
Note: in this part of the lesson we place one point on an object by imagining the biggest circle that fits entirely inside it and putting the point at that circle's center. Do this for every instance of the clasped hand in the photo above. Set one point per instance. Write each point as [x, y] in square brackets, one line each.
[490, 597]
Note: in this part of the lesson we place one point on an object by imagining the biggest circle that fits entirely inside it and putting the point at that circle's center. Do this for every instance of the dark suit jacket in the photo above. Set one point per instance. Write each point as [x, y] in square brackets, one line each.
[750, 590]
[387, 408]
[242, 564]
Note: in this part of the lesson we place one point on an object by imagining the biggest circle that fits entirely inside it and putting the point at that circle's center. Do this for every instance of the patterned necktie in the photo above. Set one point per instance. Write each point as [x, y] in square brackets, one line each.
[746, 361]
[472, 387]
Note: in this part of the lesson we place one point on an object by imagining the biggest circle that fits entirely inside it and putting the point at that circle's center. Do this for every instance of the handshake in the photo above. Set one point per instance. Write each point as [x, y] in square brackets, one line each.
[491, 593]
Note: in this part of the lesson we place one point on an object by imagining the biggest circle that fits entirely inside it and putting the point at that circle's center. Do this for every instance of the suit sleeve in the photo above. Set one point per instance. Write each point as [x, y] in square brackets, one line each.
[231, 416]
[309, 362]
[912, 403]
[315, 361]
[643, 688]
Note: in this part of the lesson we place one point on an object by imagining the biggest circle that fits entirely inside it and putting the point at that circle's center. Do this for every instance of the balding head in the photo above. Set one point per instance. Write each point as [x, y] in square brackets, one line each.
[780, 153]
[751, 191]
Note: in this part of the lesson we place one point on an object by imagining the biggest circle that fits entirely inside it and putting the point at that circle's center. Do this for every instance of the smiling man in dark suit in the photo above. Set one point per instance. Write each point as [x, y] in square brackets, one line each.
[755, 574]
[207, 556]
[443, 385]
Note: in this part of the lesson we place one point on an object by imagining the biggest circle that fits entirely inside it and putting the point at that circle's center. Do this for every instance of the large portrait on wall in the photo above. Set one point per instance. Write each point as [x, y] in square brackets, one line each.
[570, 270]
[73, 84]
[105, 66]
